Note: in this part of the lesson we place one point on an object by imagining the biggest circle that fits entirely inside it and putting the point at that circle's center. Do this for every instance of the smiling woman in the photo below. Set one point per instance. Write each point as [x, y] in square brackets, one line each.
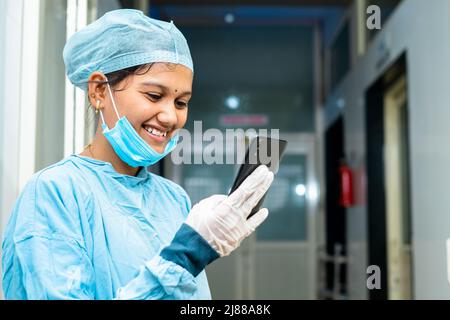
[149, 102]
[99, 225]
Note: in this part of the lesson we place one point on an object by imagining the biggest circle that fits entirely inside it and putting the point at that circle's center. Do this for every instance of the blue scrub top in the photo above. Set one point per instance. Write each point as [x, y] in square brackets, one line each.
[80, 230]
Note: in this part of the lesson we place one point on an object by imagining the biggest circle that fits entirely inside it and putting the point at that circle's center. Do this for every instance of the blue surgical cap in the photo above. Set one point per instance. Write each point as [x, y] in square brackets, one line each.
[121, 39]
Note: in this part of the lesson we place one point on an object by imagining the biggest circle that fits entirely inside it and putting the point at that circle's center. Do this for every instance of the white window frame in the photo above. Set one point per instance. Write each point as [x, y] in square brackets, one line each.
[74, 122]
[20, 31]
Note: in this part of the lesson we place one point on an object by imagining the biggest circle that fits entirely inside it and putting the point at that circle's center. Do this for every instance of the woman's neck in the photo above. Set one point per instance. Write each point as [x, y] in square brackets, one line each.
[101, 149]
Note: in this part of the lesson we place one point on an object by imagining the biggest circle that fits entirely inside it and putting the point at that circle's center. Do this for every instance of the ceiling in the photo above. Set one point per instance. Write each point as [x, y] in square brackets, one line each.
[255, 2]
[343, 3]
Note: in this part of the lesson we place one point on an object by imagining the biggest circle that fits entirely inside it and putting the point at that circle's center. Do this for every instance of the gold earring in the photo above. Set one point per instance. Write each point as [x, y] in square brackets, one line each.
[97, 107]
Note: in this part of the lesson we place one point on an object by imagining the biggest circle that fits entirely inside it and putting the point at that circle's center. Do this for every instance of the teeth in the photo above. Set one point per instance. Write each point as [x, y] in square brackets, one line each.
[156, 132]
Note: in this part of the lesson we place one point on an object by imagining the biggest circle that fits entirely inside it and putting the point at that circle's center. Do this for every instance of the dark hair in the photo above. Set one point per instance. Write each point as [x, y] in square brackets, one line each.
[116, 77]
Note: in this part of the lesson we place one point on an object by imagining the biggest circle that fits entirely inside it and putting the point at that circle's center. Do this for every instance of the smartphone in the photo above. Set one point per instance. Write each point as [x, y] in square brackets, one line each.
[262, 150]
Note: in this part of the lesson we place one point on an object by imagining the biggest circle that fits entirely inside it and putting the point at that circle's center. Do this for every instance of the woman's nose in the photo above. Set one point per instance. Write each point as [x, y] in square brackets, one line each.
[168, 116]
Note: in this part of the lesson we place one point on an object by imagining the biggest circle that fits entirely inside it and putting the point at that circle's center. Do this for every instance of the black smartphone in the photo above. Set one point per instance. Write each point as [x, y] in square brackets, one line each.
[262, 150]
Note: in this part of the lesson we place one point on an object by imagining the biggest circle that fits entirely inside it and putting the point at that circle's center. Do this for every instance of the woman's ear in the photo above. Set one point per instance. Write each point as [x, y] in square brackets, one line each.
[96, 88]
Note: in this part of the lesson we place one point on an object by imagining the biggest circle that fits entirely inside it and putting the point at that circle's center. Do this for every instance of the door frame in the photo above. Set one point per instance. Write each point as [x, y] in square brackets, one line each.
[376, 196]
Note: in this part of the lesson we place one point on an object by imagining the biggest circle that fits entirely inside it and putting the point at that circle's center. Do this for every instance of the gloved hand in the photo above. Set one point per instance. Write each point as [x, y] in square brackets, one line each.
[222, 220]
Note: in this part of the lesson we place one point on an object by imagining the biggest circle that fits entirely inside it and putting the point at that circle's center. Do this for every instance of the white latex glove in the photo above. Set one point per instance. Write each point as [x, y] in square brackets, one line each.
[222, 220]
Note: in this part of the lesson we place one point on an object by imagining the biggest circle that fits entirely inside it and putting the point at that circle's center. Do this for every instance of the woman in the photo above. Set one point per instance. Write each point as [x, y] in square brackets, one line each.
[98, 225]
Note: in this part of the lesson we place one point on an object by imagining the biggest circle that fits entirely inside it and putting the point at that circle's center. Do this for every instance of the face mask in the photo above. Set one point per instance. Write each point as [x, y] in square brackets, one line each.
[128, 145]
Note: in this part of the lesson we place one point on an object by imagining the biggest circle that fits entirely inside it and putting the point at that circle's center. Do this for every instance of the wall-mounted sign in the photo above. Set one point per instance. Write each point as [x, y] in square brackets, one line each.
[244, 120]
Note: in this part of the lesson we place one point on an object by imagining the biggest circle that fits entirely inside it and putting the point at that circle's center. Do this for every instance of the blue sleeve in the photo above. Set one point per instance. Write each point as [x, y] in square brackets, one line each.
[46, 257]
[172, 273]
[189, 250]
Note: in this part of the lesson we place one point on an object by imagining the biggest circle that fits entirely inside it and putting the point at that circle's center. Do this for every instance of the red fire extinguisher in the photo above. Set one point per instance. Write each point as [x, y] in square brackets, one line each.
[346, 185]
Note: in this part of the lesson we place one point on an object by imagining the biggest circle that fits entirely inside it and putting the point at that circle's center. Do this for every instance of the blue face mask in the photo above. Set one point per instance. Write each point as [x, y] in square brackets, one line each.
[129, 146]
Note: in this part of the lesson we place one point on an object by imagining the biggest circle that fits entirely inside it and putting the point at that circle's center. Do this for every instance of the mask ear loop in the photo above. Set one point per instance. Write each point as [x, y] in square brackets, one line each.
[112, 99]
[101, 112]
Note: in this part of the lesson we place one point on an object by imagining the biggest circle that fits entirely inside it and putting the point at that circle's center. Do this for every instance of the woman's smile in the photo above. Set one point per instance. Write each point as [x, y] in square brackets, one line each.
[156, 136]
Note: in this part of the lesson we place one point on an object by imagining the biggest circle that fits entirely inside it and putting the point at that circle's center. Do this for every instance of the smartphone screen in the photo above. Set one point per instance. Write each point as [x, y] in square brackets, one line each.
[262, 150]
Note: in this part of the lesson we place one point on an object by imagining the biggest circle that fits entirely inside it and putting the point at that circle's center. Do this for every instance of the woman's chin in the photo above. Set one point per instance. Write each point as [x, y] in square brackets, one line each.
[158, 149]
[155, 143]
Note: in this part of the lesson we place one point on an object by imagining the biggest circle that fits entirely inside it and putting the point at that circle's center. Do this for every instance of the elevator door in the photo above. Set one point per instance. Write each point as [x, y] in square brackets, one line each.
[396, 186]
[388, 185]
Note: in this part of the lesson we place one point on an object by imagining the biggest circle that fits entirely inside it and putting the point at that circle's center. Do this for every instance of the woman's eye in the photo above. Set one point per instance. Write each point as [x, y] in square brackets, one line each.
[181, 104]
[154, 96]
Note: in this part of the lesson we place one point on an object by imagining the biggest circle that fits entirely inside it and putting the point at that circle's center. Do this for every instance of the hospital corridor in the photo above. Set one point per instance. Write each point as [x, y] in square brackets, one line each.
[358, 208]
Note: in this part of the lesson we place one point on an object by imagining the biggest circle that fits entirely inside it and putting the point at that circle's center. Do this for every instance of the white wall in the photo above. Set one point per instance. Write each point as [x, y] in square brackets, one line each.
[11, 14]
[422, 29]
[2, 92]
[10, 81]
